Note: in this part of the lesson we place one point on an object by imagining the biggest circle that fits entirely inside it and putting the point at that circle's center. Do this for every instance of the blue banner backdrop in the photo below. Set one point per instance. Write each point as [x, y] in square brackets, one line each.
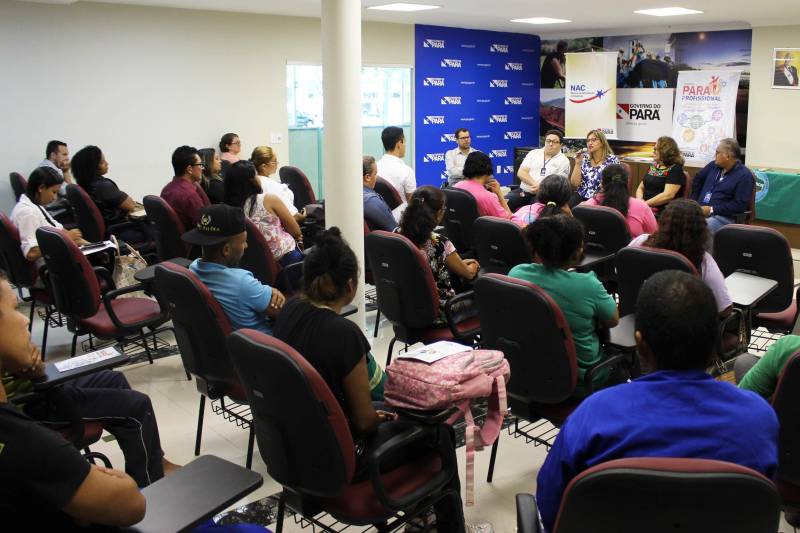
[485, 81]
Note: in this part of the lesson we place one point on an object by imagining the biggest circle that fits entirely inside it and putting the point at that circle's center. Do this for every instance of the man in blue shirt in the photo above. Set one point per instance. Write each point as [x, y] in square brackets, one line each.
[677, 410]
[723, 187]
[376, 211]
[246, 301]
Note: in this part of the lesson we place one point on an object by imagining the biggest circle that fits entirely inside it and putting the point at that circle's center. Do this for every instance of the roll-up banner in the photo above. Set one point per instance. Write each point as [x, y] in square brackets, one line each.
[591, 99]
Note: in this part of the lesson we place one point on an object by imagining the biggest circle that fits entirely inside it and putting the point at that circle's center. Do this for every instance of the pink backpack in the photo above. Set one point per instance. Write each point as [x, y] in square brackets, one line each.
[453, 382]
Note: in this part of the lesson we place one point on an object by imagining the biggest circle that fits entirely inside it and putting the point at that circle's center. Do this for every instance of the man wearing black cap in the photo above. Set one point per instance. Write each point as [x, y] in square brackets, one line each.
[246, 301]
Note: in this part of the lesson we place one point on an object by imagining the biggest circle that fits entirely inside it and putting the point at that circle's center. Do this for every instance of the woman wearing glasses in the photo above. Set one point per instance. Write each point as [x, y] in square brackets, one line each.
[537, 164]
[589, 166]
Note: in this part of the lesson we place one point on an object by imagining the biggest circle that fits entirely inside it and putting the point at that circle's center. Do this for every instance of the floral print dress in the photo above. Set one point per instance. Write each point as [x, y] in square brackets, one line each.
[591, 176]
[436, 250]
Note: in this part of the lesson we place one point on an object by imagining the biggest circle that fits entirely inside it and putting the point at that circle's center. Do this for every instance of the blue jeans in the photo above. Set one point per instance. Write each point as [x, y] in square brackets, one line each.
[717, 221]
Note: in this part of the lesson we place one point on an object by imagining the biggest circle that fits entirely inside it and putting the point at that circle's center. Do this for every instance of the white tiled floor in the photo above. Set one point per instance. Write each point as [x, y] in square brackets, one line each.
[176, 403]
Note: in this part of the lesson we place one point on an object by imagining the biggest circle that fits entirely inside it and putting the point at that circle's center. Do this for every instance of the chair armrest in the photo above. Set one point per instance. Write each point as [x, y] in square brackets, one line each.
[414, 434]
[741, 218]
[103, 275]
[607, 362]
[110, 295]
[527, 514]
[458, 309]
[286, 286]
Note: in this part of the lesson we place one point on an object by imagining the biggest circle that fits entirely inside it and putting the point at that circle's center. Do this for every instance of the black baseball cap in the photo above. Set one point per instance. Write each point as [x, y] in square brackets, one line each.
[217, 224]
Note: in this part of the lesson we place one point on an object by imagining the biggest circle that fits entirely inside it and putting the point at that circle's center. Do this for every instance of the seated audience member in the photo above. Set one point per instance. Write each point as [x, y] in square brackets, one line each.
[266, 163]
[212, 181]
[723, 187]
[454, 159]
[556, 243]
[761, 374]
[57, 158]
[537, 164]
[103, 396]
[552, 199]
[391, 166]
[229, 147]
[665, 178]
[267, 211]
[478, 181]
[677, 410]
[376, 211]
[29, 213]
[308, 324]
[589, 165]
[613, 193]
[246, 301]
[682, 228]
[89, 166]
[182, 192]
[424, 213]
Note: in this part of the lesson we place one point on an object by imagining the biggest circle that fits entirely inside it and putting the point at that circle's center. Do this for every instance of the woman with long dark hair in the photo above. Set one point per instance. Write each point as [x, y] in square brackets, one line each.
[212, 181]
[424, 213]
[552, 199]
[613, 193]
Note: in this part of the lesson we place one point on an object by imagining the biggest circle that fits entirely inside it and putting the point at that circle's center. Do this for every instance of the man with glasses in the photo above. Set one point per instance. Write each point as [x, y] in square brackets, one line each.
[454, 159]
[536, 166]
[182, 193]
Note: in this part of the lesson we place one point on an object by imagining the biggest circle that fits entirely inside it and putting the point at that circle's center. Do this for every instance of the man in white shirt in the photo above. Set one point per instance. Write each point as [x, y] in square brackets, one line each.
[454, 159]
[57, 158]
[391, 167]
[536, 166]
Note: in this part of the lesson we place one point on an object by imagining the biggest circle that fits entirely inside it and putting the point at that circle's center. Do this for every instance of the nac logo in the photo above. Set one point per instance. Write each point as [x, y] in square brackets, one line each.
[451, 100]
[498, 153]
[499, 48]
[450, 63]
[448, 138]
[433, 43]
[511, 135]
[500, 84]
[514, 66]
[433, 119]
[513, 100]
[433, 82]
[500, 119]
[432, 158]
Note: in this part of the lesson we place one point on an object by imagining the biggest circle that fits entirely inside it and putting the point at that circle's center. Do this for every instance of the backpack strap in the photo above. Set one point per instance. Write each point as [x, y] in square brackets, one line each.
[469, 437]
[498, 405]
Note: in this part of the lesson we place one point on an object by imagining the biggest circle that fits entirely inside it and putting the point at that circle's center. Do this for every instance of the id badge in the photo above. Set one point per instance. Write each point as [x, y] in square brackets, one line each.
[707, 198]
[541, 173]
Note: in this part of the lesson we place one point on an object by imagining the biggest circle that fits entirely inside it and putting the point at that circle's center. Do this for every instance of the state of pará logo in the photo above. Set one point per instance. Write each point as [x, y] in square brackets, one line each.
[433, 119]
[433, 82]
[432, 158]
[433, 43]
[450, 63]
[450, 100]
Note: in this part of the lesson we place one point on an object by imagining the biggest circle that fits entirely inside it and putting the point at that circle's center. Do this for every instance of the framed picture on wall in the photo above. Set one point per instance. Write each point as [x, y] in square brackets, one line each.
[786, 62]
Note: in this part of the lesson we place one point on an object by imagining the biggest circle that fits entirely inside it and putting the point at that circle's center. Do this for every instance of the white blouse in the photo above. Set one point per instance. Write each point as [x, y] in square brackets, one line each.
[281, 190]
[28, 217]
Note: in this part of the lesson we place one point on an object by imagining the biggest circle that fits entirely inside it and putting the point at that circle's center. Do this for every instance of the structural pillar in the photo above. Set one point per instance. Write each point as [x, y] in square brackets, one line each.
[341, 142]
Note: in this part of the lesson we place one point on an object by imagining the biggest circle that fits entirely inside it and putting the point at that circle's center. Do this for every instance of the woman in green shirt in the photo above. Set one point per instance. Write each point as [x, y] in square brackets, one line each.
[761, 374]
[557, 245]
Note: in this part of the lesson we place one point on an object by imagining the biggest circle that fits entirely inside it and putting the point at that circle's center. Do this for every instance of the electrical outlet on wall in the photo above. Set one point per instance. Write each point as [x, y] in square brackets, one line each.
[275, 138]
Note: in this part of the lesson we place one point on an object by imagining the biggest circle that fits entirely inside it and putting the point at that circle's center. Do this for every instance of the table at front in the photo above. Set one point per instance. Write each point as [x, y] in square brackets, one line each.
[776, 196]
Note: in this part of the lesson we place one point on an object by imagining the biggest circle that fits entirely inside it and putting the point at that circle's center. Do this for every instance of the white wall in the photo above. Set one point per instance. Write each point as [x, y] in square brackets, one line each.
[774, 114]
[140, 81]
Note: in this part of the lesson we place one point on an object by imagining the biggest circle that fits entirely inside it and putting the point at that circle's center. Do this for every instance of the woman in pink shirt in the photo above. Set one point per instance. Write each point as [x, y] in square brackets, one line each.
[614, 193]
[479, 183]
[552, 199]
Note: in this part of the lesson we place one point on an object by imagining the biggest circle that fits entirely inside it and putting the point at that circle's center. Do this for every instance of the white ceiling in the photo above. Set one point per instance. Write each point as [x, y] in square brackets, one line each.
[590, 17]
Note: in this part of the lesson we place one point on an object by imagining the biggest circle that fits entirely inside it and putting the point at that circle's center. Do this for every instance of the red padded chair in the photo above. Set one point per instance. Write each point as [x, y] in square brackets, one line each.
[201, 327]
[461, 212]
[544, 371]
[662, 495]
[22, 273]
[167, 228]
[18, 184]
[389, 194]
[499, 245]
[76, 291]
[605, 233]
[309, 447]
[297, 181]
[408, 297]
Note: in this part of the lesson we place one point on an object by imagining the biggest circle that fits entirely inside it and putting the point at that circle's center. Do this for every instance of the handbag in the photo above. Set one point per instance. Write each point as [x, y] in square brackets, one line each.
[125, 268]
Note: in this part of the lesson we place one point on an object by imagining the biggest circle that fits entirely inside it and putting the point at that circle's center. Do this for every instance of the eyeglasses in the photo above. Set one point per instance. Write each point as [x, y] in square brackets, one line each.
[198, 165]
[550, 141]
[463, 138]
[237, 142]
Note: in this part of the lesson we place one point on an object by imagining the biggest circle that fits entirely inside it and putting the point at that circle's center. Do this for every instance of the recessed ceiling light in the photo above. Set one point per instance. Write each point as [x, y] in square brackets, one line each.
[402, 6]
[668, 11]
[541, 20]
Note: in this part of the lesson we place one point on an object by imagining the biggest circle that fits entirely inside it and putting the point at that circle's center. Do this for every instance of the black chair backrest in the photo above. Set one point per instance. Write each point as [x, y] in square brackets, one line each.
[461, 213]
[307, 447]
[519, 156]
[785, 402]
[87, 215]
[388, 193]
[499, 245]
[636, 264]
[521, 320]
[201, 325]
[297, 181]
[18, 184]
[257, 258]
[605, 228]
[21, 272]
[166, 227]
[661, 495]
[760, 251]
[71, 278]
[404, 282]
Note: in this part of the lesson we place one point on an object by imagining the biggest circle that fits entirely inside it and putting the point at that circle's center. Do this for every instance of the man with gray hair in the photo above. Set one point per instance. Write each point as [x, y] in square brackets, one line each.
[376, 212]
[724, 187]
